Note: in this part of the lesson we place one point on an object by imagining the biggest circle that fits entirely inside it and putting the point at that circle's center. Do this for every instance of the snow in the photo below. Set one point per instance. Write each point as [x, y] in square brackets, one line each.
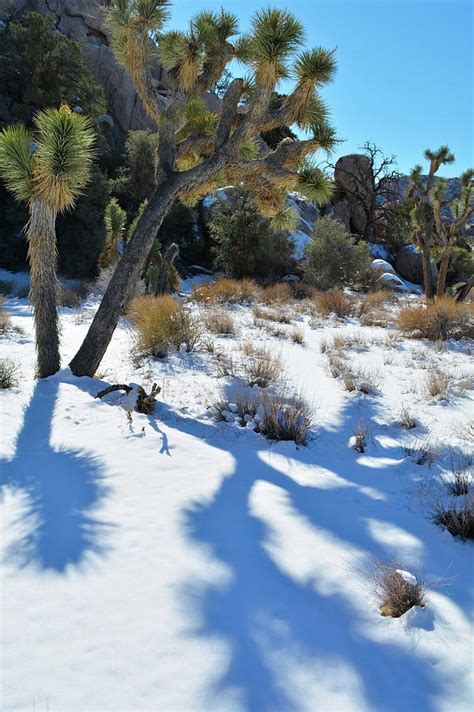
[175, 564]
[300, 240]
[407, 577]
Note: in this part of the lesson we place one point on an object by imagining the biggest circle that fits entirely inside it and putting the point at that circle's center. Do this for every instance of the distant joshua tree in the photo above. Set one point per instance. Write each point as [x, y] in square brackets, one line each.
[114, 219]
[435, 218]
[197, 149]
[47, 169]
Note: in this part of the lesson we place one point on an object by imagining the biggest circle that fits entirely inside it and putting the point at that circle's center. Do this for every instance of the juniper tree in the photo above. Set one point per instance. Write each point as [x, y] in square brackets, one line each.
[46, 169]
[451, 214]
[422, 214]
[198, 149]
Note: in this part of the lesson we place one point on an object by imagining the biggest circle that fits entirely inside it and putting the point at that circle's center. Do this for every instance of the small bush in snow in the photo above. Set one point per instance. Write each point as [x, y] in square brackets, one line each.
[72, 296]
[278, 315]
[219, 322]
[8, 373]
[406, 418]
[438, 321]
[225, 365]
[261, 368]
[361, 436]
[437, 383]
[422, 452]
[297, 335]
[224, 290]
[162, 323]
[335, 301]
[332, 258]
[457, 518]
[459, 483]
[5, 322]
[280, 293]
[397, 590]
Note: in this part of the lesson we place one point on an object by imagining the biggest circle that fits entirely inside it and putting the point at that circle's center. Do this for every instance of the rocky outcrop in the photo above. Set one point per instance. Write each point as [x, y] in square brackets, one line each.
[409, 265]
[353, 196]
[82, 20]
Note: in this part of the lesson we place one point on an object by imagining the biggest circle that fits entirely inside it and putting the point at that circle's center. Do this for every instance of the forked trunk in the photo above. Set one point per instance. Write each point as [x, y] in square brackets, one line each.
[443, 271]
[427, 275]
[42, 256]
[123, 282]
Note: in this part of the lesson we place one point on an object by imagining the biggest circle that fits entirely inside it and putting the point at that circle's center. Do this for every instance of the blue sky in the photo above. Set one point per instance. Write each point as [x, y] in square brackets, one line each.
[405, 70]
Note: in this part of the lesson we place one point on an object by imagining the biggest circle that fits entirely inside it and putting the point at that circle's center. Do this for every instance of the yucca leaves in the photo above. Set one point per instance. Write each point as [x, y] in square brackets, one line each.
[114, 219]
[63, 157]
[314, 184]
[316, 66]
[198, 119]
[442, 156]
[16, 161]
[285, 220]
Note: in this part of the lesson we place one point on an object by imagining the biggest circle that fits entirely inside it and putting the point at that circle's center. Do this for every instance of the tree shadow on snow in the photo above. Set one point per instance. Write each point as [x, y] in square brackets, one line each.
[58, 490]
[263, 612]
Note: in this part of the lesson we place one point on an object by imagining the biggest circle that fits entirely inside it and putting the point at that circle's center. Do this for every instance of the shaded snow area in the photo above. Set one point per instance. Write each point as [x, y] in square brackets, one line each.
[173, 563]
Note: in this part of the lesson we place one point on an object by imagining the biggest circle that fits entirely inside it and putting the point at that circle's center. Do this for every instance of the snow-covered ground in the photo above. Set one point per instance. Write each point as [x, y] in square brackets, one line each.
[172, 563]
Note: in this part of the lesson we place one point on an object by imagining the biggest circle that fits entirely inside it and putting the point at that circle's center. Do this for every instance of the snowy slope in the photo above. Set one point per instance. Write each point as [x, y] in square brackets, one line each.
[173, 563]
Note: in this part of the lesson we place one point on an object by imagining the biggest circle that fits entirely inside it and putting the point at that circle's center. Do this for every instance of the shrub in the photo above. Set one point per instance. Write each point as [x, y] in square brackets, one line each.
[437, 383]
[422, 452]
[397, 590]
[8, 373]
[277, 293]
[335, 301]
[225, 290]
[460, 481]
[162, 322]
[297, 335]
[285, 418]
[278, 315]
[406, 418]
[261, 368]
[457, 519]
[361, 436]
[219, 322]
[225, 365]
[245, 244]
[72, 296]
[332, 258]
[6, 287]
[438, 321]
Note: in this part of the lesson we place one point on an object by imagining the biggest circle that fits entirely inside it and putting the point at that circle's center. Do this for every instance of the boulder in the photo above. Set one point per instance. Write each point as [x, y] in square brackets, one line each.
[379, 267]
[409, 265]
[379, 251]
[354, 184]
[389, 280]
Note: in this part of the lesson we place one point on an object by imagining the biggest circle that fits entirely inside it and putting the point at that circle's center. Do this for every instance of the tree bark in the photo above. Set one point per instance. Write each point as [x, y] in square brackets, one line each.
[42, 256]
[124, 279]
[427, 276]
[443, 271]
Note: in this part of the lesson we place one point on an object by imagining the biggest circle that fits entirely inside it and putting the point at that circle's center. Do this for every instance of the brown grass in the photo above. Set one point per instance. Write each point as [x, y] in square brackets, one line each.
[280, 293]
[226, 290]
[162, 323]
[335, 301]
[394, 594]
[280, 316]
[261, 368]
[437, 383]
[219, 322]
[438, 321]
[297, 335]
[458, 520]
[361, 434]
[406, 418]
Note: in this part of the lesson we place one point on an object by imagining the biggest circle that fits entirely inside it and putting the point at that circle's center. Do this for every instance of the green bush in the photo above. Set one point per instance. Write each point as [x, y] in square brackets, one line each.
[332, 257]
[245, 245]
[135, 180]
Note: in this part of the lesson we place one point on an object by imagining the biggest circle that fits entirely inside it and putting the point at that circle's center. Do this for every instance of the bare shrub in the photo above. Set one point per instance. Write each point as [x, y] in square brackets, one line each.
[372, 301]
[422, 452]
[283, 417]
[226, 290]
[8, 373]
[438, 321]
[262, 368]
[225, 365]
[280, 293]
[459, 483]
[437, 383]
[336, 366]
[457, 518]
[278, 315]
[297, 335]
[406, 418]
[396, 590]
[219, 322]
[162, 322]
[71, 296]
[361, 434]
[334, 301]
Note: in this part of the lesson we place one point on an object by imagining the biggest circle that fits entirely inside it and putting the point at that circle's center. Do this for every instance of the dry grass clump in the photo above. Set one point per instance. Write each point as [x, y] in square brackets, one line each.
[342, 341]
[278, 416]
[225, 365]
[423, 452]
[162, 323]
[334, 301]
[457, 518]
[396, 590]
[6, 287]
[5, 322]
[280, 293]
[261, 368]
[297, 335]
[438, 321]
[459, 483]
[407, 419]
[361, 434]
[219, 322]
[437, 383]
[71, 296]
[279, 316]
[8, 373]
[226, 290]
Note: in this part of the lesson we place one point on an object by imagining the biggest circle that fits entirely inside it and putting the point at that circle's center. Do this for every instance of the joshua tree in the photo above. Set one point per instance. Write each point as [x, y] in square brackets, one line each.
[449, 227]
[46, 169]
[422, 213]
[197, 149]
[114, 219]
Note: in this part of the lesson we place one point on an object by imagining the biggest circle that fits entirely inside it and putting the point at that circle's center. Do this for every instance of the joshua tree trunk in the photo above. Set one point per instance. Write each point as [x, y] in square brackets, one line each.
[42, 256]
[427, 276]
[124, 279]
[443, 271]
